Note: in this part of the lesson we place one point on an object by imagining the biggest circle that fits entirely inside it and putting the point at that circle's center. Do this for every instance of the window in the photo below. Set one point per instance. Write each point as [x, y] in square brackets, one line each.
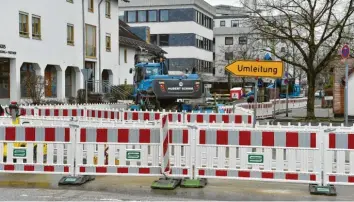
[141, 16]
[235, 23]
[203, 20]
[70, 1]
[125, 56]
[90, 41]
[108, 8]
[229, 56]
[36, 27]
[152, 16]
[70, 34]
[131, 16]
[108, 42]
[164, 38]
[23, 24]
[4, 78]
[229, 40]
[153, 39]
[222, 23]
[163, 15]
[90, 5]
[242, 40]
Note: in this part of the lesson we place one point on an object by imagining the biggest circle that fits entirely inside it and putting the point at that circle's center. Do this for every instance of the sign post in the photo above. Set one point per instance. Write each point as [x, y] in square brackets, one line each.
[345, 55]
[251, 68]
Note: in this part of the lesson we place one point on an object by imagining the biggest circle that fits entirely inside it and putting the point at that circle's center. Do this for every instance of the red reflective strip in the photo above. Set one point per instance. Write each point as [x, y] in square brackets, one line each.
[32, 112]
[185, 136]
[28, 168]
[73, 112]
[292, 139]
[9, 167]
[170, 132]
[123, 135]
[122, 170]
[350, 141]
[202, 137]
[56, 112]
[222, 137]
[351, 179]
[157, 116]
[221, 173]
[199, 118]
[267, 175]
[313, 140]
[101, 135]
[67, 134]
[83, 135]
[49, 134]
[312, 177]
[82, 169]
[10, 133]
[249, 119]
[48, 168]
[135, 116]
[125, 115]
[146, 116]
[65, 112]
[291, 176]
[188, 118]
[144, 136]
[105, 114]
[201, 172]
[212, 118]
[332, 140]
[179, 117]
[82, 112]
[99, 114]
[144, 170]
[244, 174]
[101, 169]
[225, 118]
[332, 178]
[112, 115]
[268, 139]
[165, 145]
[245, 137]
[185, 171]
[66, 169]
[30, 134]
[238, 119]
[47, 112]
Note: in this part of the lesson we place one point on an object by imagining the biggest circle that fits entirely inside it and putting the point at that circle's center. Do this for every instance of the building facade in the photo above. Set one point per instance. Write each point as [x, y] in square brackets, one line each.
[184, 29]
[57, 44]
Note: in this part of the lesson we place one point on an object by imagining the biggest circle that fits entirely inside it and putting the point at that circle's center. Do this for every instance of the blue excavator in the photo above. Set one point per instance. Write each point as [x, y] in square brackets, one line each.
[155, 89]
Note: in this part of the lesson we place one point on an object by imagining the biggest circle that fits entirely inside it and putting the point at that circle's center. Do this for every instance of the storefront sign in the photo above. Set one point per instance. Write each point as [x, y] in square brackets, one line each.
[4, 51]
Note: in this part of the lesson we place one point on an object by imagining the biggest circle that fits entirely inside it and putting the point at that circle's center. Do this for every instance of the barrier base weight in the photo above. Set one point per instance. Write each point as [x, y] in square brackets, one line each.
[164, 183]
[75, 180]
[194, 183]
[328, 190]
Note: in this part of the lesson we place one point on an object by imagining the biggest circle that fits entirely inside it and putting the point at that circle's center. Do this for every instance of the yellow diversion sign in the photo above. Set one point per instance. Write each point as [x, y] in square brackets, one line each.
[249, 68]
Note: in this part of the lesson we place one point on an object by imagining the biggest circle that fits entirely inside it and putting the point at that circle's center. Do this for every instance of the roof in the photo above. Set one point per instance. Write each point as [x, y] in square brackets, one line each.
[129, 39]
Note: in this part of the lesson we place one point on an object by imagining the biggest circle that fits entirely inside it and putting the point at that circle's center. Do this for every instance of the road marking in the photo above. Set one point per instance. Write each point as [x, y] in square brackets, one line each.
[276, 191]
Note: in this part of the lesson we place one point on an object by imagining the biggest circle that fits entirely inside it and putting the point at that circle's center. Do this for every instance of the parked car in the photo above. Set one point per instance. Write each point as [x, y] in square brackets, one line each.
[319, 93]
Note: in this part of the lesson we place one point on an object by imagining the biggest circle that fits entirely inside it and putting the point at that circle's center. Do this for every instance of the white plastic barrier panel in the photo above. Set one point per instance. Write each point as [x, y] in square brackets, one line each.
[262, 155]
[41, 150]
[339, 158]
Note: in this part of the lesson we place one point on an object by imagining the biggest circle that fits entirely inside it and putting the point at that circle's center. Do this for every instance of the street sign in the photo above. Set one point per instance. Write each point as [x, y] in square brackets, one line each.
[267, 56]
[19, 152]
[254, 158]
[134, 154]
[345, 51]
[249, 68]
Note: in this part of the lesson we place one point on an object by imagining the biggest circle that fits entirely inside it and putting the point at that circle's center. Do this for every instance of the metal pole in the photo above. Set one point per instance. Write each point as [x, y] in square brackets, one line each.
[86, 97]
[275, 97]
[287, 90]
[346, 94]
[255, 103]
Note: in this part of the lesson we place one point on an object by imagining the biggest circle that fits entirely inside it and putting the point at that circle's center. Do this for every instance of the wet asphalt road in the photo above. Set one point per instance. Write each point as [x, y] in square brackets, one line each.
[111, 188]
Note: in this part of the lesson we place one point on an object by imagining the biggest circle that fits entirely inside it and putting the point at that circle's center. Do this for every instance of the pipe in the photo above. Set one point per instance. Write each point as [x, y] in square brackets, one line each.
[84, 45]
[99, 46]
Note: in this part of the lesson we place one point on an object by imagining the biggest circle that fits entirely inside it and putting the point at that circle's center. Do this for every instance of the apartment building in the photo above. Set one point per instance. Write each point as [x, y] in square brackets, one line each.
[184, 29]
[57, 40]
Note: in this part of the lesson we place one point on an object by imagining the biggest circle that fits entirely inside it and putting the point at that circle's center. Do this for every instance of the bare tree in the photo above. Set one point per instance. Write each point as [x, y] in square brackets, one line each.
[245, 50]
[34, 85]
[314, 27]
